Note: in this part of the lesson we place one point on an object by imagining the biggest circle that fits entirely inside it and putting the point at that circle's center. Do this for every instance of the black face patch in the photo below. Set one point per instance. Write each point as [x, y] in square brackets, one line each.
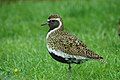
[53, 24]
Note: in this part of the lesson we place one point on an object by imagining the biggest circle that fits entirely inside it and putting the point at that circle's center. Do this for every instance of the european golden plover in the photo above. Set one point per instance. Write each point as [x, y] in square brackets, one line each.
[64, 47]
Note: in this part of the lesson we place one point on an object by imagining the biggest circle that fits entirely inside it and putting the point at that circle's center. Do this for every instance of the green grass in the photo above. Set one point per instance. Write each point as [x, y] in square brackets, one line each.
[23, 53]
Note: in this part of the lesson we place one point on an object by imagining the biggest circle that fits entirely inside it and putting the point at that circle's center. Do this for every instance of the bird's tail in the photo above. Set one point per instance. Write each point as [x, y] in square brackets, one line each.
[102, 61]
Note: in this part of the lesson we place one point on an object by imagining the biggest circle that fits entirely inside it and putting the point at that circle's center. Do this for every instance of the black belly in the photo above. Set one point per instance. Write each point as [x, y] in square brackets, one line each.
[68, 61]
[58, 58]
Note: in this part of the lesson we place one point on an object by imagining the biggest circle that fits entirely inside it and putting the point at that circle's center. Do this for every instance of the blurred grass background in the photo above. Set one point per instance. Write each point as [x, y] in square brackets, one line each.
[23, 53]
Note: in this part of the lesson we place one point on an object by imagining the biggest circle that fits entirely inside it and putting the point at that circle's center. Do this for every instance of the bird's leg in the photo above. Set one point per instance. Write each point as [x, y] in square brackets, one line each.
[69, 67]
[69, 73]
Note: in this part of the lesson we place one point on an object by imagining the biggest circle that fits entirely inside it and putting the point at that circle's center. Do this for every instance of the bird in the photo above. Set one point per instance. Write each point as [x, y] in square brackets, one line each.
[65, 47]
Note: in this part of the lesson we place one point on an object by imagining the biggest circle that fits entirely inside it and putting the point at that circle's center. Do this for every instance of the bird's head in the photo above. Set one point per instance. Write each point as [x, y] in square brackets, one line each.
[54, 22]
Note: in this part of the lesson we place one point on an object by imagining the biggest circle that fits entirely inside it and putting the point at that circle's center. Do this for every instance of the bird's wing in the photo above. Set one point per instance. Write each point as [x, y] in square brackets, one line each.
[72, 45]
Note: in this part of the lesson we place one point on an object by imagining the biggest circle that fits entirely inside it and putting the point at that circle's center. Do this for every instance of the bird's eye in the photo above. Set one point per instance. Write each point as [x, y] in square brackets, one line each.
[52, 20]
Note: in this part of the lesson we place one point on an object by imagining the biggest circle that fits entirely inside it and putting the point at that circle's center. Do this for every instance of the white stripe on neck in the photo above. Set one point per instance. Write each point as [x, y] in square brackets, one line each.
[58, 19]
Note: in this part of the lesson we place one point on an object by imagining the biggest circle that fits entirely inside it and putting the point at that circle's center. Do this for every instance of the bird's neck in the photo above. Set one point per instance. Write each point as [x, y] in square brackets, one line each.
[59, 28]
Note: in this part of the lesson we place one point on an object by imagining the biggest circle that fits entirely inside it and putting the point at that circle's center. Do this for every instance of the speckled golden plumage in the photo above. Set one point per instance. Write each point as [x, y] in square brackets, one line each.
[69, 44]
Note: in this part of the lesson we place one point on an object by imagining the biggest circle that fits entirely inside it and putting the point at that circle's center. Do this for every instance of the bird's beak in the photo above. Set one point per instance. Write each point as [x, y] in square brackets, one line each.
[44, 24]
